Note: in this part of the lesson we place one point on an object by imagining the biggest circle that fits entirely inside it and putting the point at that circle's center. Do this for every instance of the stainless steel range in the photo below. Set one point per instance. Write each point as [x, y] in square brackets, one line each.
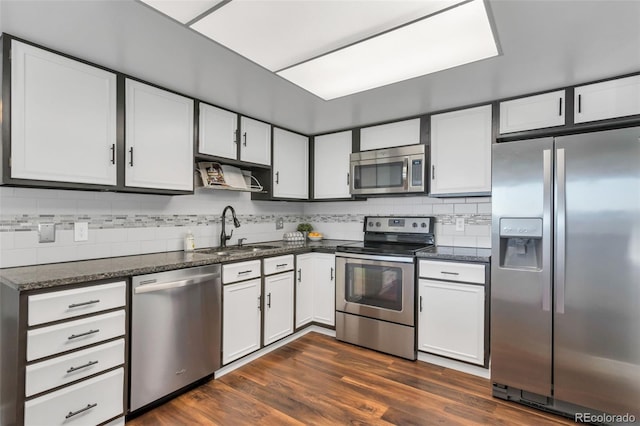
[375, 284]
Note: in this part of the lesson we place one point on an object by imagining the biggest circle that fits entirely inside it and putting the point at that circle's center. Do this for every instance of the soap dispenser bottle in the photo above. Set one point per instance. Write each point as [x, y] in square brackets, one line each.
[189, 242]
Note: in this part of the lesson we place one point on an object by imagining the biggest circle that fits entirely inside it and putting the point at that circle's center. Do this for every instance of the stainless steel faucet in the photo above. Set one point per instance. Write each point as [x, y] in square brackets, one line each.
[223, 235]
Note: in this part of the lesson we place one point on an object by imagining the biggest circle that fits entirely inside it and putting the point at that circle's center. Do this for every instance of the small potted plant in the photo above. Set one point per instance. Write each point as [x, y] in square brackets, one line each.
[305, 228]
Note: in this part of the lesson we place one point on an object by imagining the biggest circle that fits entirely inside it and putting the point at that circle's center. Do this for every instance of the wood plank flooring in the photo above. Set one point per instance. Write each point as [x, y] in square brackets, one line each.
[317, 380]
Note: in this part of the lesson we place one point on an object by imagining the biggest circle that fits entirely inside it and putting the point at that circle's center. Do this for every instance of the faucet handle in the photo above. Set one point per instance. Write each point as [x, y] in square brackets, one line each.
[240, 241]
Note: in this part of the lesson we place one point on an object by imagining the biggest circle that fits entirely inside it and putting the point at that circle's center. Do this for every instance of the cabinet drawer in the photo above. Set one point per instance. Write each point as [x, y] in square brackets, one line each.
[86, 403]
[465, 272]
[69, 368]
[60, 305]
[273, 265]
[74, 334]
[240, 271]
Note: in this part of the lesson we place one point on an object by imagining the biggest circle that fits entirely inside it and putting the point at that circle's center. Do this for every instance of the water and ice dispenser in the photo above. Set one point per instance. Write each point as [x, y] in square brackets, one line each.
[521, 243]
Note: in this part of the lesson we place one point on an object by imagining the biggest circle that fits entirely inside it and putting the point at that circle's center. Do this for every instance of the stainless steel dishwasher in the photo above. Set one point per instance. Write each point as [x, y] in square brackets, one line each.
[176, 328]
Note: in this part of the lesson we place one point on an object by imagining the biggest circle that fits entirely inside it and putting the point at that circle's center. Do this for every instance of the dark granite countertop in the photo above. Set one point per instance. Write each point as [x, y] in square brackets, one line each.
[59, 274]
[460, 254]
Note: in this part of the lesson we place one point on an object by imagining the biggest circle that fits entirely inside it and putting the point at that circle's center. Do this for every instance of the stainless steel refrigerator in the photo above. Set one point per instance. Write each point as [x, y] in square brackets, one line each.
[565, 273]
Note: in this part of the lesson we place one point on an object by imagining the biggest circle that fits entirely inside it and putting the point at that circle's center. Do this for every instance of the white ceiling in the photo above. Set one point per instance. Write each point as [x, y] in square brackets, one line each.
[545, 44]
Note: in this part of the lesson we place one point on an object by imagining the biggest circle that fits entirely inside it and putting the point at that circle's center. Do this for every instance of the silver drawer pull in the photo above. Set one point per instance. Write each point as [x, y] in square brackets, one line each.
[90, 302]
[449, 273]
[75, 336]
[244, 272]
[282, 265]
[89, 364]
[82, 410]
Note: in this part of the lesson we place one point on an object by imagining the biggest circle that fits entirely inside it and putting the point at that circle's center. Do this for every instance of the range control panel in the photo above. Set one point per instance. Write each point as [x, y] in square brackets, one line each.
[399, 224]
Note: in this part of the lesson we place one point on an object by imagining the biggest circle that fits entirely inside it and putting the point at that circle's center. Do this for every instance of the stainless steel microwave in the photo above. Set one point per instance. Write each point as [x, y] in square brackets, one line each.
[388, 171]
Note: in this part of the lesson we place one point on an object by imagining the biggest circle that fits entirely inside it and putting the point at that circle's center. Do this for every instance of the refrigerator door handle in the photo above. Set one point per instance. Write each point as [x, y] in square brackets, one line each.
[560, 230]
[546, 221]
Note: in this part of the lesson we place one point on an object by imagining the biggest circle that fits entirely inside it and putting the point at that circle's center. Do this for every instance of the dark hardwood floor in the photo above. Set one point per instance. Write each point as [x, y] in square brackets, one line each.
[317, 380]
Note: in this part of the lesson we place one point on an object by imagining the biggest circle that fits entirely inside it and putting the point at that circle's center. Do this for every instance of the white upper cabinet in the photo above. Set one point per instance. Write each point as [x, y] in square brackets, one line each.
[461, 152]
[63, 119]
[158, 139]
[533, 112]
[218, 132]
[255, 141]
[609, 99]
[389, 135]
[331, 165]
[290, 165]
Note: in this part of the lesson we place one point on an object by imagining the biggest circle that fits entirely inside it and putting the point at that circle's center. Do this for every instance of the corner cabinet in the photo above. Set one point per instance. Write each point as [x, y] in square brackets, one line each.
[331, 175]
[461, 152]
[290, 165]
[63, 119]
[255, 141]
[158, 138]
[218, 132]
[315, 289]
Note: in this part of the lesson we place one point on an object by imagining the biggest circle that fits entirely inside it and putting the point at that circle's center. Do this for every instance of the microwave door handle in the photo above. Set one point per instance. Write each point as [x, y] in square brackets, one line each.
[405, 174]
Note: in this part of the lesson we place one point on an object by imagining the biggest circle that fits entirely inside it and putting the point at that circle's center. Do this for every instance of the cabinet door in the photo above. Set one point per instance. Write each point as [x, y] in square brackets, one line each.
[451, 320]
[159, 138]
[218, 132]
[304, 289]
[389, 135]
[290, 165]
[609, 99]
[241, 319]
[324, 289]
[461, 152]
[278, 307]
[63, 118]
[331, 165]
[532, 112]
[255, 141]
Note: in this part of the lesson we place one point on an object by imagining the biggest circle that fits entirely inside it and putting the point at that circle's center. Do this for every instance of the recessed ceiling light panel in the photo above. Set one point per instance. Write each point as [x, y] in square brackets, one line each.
[182, 10]
[454, 37]
[279, 33]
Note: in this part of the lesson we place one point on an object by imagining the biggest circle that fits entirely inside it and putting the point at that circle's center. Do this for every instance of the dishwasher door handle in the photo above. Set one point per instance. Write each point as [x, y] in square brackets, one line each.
[147, 288]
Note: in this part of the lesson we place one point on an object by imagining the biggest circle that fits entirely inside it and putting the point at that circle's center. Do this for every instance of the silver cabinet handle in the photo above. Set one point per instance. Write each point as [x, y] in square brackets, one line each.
[244, 272]
[277, 178]
[282, 265]
[433, 172]
[348, 179]
[75, 336]
[269, 300]
[546, 220]
[90, 302]
[113, 153]
[131, 157]
[89, 364]
[420, 303]
[244, 135]
[449, 273]
[299, 275]
[235, 136]
[259, 303]
[82, 410]
[331, 278]
[561, 214]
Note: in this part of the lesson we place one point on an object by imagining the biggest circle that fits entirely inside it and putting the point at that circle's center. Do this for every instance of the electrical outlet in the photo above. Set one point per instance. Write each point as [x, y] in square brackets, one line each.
[460, 224]
[279, 223]
[47, 232]
[80, 231]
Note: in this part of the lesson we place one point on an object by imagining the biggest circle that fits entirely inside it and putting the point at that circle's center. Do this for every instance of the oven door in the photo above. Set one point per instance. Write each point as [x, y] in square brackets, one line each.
[381, 287]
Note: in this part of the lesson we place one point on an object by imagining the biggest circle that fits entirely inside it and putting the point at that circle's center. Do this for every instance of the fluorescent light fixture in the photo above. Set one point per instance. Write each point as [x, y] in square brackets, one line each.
[279, 33]
[454, 37]
[182, 10]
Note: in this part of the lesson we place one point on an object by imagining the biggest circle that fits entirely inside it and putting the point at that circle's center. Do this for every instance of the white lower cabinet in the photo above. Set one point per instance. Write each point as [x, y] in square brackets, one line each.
[315, 289]
[451, 319]
[90, 402]
[278, 307]
[241, 319]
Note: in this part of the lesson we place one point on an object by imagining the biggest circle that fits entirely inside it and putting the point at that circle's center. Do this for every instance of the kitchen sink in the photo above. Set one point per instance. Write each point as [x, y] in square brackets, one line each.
[226, 251]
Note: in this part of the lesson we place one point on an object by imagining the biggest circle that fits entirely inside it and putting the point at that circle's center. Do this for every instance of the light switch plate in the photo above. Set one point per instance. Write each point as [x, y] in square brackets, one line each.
[80, 231]
[460, 224]
[279, 223]
[46, 232]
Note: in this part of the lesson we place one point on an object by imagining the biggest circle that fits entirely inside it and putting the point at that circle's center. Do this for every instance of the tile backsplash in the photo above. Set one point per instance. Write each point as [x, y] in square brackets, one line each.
[126, 224]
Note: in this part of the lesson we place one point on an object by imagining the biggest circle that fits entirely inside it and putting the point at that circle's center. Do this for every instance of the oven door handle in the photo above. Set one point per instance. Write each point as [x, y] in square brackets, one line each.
[375, 257]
